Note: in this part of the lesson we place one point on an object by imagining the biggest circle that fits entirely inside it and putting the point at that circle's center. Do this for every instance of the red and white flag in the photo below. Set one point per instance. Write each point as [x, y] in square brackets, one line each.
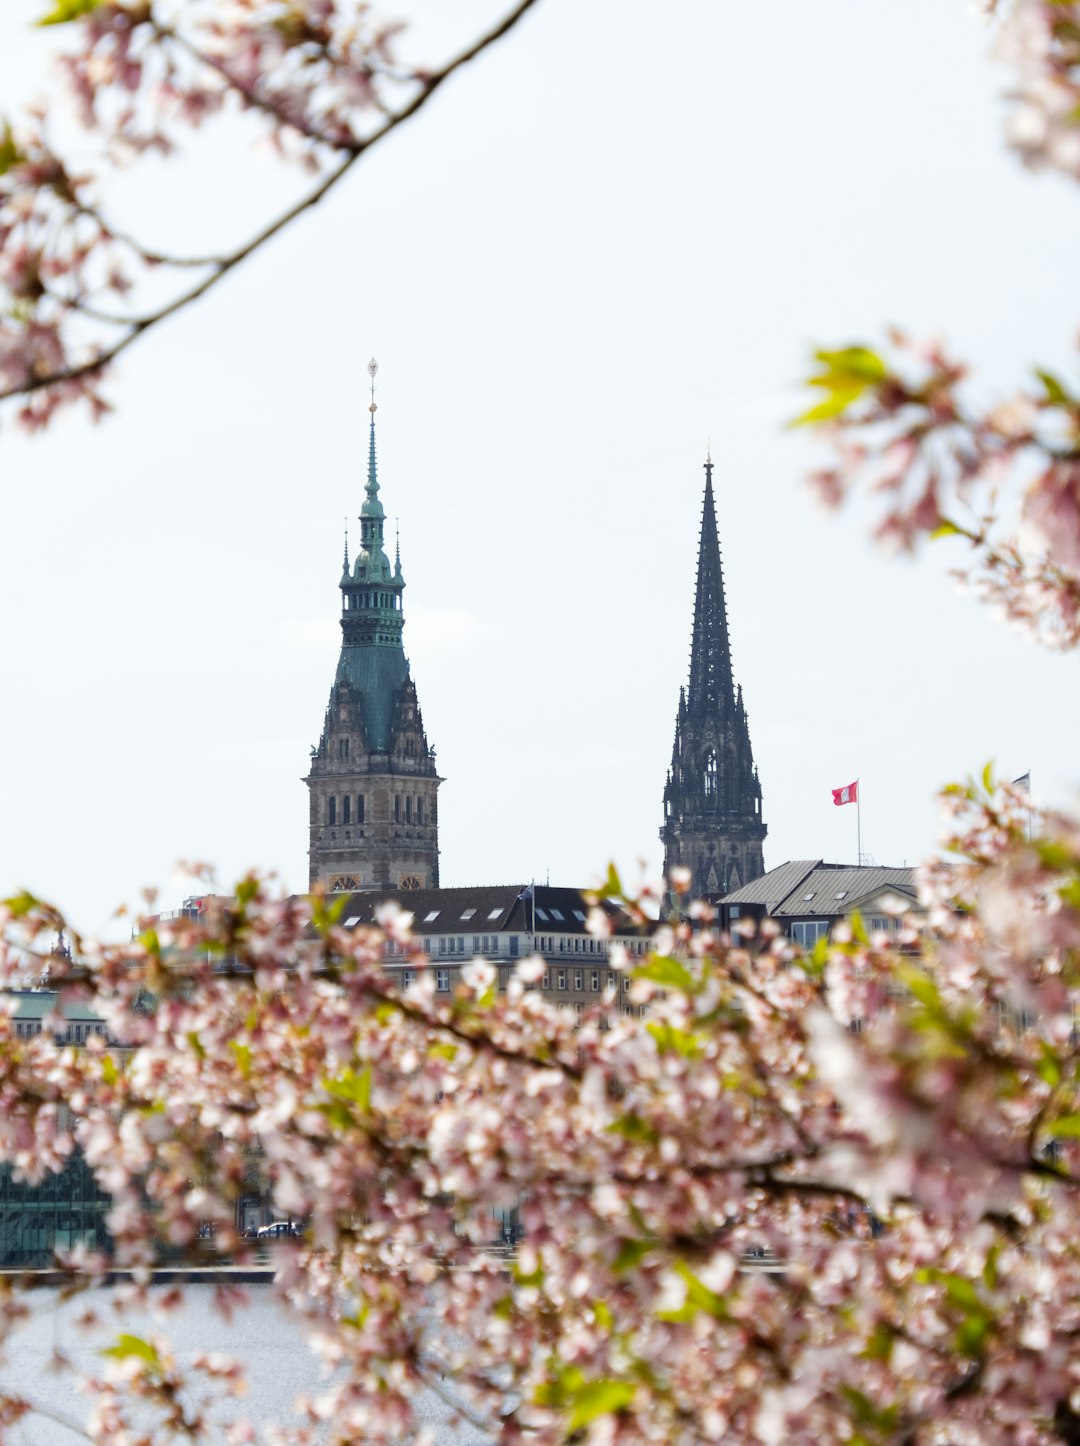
[848, 794]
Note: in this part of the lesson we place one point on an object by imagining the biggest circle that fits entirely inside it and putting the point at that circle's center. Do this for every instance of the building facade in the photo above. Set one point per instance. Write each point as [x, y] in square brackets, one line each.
[505, 923]
[373, 786]
[712, 798]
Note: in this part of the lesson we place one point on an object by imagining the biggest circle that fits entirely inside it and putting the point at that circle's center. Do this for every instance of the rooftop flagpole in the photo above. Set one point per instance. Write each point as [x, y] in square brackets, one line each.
[858, 821]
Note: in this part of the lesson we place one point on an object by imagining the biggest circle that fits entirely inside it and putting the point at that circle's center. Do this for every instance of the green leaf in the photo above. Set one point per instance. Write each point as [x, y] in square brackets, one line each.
[988, 777]
[353, 1088]
[599, 1398]
[1054, 390]
[10, 155]
[668, 973]
[242, 1053]
[630, 1254]
[670, 1040]
[68, 10]
[127, 1346]
[19, 905]
[698, 1298]
[880, 1345]
[837, 402]
[866, 1413]
[633, 1127]
[855, 363]
[1067, 1127]
[945, 528]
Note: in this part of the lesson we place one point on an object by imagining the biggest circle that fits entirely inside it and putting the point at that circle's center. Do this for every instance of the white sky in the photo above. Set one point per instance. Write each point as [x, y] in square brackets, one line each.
[616, 235]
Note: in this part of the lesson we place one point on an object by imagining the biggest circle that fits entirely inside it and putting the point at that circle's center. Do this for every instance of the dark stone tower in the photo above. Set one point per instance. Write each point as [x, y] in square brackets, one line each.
[374, 821]
[712, 800]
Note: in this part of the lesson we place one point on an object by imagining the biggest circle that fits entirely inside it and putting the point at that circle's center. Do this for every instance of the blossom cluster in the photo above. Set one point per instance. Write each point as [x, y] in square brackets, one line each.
[894, 1119]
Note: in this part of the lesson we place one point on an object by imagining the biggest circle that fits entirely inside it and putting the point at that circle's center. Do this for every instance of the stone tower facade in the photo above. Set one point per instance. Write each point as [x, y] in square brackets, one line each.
[712, 799]
[373, 787]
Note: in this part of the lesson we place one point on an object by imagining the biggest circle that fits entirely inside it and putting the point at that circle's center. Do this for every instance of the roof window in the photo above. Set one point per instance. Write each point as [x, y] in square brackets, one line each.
[432, 916]
[556, 914]
[540, 914]
[808, 896]
[352, 923]
[467, 913]
[841, 895]
[494, 913]
[579, 915]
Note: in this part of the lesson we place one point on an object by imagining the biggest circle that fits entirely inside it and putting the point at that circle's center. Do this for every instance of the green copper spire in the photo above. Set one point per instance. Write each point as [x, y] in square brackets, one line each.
[372, 658]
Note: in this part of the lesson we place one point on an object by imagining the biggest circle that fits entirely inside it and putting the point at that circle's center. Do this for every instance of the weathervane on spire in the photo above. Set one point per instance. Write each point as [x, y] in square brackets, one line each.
[708, 460]
[372, 367]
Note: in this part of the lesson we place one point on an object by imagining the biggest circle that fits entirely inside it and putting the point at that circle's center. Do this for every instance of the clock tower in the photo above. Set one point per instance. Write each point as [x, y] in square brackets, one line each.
[373, 786]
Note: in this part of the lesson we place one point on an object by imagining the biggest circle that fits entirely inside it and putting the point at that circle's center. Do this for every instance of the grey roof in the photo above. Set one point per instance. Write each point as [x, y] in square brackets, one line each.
[486, 908]
[774, 887]
[809, 889]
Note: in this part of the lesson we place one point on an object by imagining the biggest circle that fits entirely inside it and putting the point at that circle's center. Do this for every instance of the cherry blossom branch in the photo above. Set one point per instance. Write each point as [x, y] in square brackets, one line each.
[69, 379]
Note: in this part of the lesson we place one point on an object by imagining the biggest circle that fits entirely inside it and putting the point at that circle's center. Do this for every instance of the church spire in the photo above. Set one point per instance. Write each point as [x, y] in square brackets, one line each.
[712, 797]
[710, 650]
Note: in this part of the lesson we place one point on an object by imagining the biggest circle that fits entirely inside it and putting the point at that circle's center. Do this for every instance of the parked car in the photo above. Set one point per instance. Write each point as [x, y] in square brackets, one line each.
[277, 1230]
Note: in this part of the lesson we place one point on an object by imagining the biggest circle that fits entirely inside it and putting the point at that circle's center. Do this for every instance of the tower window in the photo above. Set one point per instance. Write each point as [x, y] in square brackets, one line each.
[408, 808]
[343, 748]
[710, 774]
[397, 807]
[331, 811]
[359, 808]
[419, 810]
[346, 809]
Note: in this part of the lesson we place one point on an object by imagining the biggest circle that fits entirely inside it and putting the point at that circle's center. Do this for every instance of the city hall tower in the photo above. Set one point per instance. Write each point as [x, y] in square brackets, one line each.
[373, 786]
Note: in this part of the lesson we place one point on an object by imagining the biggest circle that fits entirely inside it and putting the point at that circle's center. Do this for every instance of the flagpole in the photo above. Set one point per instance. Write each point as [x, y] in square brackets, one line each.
[858, 819]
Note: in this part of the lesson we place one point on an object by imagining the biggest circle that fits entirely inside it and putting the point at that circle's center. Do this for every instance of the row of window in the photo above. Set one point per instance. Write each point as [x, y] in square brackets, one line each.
[346, 809]
[596, 980]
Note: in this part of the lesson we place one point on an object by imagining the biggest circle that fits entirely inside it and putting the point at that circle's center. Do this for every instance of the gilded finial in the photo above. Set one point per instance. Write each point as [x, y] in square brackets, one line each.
[373, 367]
[397, 543]
[346, 544]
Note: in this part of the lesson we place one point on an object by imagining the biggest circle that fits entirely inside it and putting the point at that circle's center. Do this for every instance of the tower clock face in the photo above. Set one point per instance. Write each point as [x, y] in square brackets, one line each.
[410, 881]
[344, 883]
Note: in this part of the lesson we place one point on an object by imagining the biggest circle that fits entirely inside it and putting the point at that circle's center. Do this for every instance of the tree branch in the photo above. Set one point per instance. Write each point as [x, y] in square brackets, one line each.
[138, 328]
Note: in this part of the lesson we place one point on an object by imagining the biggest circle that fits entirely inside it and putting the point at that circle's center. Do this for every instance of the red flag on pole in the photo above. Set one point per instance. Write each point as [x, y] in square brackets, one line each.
[848, 794]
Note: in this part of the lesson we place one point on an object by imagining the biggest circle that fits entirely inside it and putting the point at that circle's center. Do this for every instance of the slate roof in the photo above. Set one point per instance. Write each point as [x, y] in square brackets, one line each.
[485, 908]
[832, 888]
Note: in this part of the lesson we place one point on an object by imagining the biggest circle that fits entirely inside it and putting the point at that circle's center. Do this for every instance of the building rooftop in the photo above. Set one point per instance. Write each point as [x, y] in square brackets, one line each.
[810, 887]
[487, 908]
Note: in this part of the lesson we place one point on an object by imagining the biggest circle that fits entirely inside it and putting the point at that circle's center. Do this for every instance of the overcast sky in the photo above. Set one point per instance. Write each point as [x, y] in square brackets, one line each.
[614, 237]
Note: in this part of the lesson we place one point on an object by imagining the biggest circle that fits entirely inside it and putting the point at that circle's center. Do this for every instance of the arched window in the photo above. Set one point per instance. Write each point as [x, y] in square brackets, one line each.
[359, 808]
[710, 774]
[419, 810]
[343, 748]
[397, 807]
[331, 811]
[346, 809]
[408, 809]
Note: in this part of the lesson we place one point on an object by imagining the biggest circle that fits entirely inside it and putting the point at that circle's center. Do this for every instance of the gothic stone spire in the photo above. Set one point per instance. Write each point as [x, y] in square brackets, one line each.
[712, 800]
